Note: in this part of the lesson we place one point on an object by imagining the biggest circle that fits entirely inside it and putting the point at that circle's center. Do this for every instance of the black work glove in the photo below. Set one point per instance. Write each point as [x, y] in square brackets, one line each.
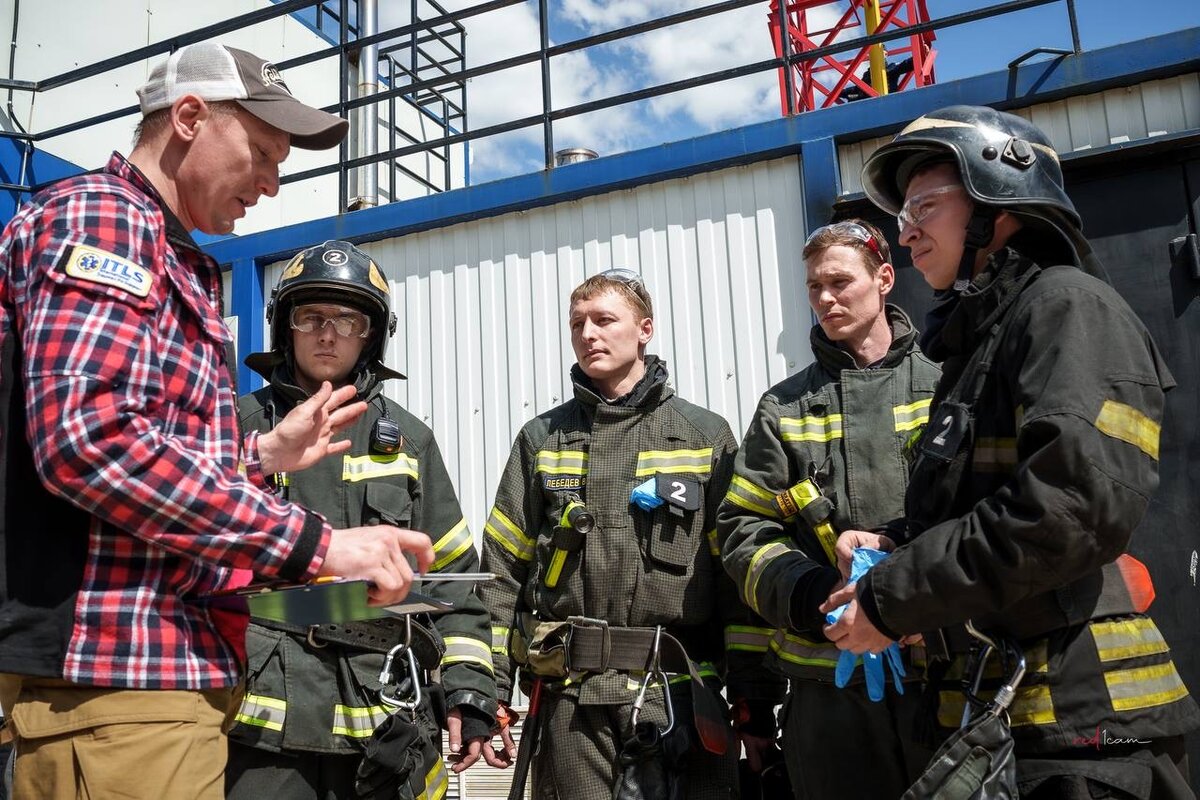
[397, 759]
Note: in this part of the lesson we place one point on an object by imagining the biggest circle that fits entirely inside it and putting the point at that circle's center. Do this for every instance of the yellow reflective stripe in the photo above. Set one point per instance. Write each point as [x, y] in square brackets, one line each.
[1129, 425]
[714, 545]
[464, 649]
[748, 638]
[1127, 638]
[1144, 687]
[758, 564]
[262, 712]
[513, 539]
[561, 462]
[811, 429]
[500, 635]
[554, 571]
[692, 462]
[913, 415]
[1033, 705]
[448, 548]
[437, 782]
[357, 722]
[750, 497]
[360, 468]
[705, 669]
[994, 454]
[798, 650]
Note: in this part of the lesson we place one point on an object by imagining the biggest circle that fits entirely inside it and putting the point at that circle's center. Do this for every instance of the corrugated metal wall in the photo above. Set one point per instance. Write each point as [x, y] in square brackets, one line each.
[482, 305]
[1126, 114]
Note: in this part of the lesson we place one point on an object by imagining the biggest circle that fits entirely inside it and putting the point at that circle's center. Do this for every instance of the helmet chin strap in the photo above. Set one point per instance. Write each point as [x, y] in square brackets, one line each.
[981, 227]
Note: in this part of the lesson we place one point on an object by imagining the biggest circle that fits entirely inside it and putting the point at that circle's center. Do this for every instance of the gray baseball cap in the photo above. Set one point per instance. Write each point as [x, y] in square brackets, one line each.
[214, 72]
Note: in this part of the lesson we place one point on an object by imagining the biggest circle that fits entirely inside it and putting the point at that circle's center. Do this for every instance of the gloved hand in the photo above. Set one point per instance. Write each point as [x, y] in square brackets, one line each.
[863, 559]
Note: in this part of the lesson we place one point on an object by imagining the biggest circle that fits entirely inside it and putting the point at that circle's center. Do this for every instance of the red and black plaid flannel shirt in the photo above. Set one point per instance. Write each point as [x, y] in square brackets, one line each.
[131, 417]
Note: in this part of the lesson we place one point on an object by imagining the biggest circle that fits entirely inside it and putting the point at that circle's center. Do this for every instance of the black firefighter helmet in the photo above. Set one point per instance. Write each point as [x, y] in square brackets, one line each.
[1006, 162]
[333, 272]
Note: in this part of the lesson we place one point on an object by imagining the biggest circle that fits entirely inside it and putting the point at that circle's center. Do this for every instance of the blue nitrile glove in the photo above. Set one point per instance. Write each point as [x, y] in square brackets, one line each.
[864, 558]
[645, 496]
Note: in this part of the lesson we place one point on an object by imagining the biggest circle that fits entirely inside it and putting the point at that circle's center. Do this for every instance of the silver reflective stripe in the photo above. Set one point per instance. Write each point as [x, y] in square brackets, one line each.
[748, 638]
[448, 548]
[674, 462]
[262, 712]
[911, 416]
[464, 649]
[811, 429]
[992, 454]
[357, 722]
[1127, 638]
[759, 562]
[512, 538]
[1144, 687]
[561, 462]
[751, 497]
[361, 468]
[500, 636]
[798, 650]
[437, 782]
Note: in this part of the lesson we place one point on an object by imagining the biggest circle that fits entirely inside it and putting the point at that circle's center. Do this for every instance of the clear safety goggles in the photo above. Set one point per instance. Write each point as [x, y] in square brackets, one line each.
[632, 280]
[921, 207]
[346, 321]
[851, 229]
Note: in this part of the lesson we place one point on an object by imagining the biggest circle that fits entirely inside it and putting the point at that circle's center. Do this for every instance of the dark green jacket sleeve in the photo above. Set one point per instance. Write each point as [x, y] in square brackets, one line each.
[467, 673]
[746, 633]
[508, 551]
[760, 552]
[1087, 386]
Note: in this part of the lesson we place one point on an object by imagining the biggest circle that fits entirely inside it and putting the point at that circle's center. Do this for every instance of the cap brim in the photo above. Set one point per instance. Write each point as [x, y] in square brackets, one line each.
[310, 128]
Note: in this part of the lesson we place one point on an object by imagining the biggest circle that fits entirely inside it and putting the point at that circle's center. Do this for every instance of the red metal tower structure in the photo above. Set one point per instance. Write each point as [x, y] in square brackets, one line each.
[850, 75]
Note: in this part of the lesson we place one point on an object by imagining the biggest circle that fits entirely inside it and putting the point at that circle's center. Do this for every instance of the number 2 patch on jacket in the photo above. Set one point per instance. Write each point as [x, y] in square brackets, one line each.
[678, 491]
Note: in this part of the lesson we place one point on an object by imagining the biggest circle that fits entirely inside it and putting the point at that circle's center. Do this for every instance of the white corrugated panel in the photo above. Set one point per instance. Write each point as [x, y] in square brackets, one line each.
[482, 305]
[1125, 114]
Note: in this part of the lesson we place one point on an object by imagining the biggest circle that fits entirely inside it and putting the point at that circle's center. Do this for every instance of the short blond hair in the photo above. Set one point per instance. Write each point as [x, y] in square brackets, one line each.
[631, 290]
[875, 253]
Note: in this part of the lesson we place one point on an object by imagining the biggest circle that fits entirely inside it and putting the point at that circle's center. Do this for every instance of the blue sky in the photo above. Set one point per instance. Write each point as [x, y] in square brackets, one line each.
[718, 42]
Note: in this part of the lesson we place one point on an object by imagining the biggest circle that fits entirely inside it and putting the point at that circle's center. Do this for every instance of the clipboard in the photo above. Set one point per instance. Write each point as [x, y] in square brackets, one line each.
[322, 601]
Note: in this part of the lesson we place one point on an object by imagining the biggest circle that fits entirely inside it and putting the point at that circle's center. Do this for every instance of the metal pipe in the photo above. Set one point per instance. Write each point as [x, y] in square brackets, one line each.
[785, 52]
[878, 64]
[1075, 45]
[547, 125]
[368, 116]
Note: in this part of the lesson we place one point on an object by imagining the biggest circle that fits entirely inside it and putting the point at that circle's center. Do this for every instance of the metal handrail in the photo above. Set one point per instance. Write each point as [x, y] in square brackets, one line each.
[435, 92]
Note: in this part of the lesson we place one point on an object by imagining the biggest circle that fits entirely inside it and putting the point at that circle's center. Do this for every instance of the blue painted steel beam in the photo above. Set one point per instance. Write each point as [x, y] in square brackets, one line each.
[1038, 82]
[246, 287]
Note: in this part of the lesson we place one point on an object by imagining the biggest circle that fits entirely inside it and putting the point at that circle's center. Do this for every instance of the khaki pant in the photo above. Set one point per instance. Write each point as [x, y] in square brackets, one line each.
[88, 743]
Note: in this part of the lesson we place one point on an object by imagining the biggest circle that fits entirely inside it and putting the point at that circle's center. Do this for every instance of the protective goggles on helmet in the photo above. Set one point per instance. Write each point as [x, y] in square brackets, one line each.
[346, 322]
[921, 207]
[851, 229]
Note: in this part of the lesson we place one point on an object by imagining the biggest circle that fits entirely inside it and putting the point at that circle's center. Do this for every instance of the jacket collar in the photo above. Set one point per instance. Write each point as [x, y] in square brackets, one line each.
[833, 358]
[651, 390]
[276, 369]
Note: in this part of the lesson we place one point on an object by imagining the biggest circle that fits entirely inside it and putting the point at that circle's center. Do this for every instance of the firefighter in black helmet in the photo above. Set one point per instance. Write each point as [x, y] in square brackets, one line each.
[315, 698]
[1039, 460]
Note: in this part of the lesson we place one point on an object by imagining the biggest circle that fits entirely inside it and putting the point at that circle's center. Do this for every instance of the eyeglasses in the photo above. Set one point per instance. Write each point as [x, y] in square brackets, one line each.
[920, 207]
[851, 229]
[346, 321]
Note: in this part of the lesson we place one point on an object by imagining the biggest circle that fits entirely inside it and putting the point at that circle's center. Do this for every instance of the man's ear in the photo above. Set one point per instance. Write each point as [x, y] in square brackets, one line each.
[188, 113]
[887, 278]
[646, 331]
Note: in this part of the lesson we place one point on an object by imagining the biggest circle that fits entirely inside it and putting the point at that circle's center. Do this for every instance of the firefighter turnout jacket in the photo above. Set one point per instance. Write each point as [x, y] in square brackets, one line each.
[636, 568]
[1039, 459]
[845, 429]
[307, 693]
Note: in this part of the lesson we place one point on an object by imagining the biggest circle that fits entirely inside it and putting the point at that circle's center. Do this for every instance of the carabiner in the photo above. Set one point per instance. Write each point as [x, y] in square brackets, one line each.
[654, 670]
[414, 673]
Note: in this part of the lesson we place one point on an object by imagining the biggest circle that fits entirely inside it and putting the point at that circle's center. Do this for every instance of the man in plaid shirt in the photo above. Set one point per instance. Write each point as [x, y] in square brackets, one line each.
[128, 495]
